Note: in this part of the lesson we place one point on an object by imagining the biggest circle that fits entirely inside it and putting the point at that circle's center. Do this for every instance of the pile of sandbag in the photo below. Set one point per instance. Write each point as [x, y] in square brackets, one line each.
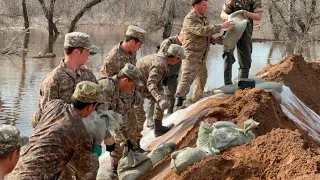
[212, 139]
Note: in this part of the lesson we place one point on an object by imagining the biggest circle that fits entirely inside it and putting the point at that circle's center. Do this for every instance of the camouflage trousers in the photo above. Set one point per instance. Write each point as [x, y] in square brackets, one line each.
[244, 50]
[193, 69]
[129, 130]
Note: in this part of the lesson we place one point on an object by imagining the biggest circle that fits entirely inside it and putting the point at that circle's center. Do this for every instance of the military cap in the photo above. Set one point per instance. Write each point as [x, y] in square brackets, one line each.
[176, 50]
[136, 32]
[193, 2]
[78, 39]
[87, 92]
[133, 73]
[9, 139]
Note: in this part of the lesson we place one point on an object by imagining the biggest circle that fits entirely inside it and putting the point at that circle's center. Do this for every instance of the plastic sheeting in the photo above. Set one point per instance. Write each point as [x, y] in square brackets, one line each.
[300, 113]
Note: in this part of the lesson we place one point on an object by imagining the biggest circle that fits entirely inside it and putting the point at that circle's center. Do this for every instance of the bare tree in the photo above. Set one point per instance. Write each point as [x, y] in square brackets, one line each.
[25, 15]
[48, 12]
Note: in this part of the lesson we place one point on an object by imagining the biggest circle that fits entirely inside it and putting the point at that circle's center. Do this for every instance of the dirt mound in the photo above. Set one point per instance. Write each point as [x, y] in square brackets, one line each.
[302, 78]
[250, 103]
[281, 154]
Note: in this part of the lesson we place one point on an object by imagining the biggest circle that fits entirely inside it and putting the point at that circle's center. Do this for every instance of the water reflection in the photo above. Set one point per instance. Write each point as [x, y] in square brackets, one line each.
[21, 75]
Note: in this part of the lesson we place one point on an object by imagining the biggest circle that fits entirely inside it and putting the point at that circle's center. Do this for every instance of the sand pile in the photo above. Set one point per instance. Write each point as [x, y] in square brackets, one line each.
[302, 78]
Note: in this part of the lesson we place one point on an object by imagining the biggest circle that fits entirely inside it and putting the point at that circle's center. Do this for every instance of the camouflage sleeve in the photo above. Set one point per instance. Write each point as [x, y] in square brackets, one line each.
[107, 94]
[83, 158]
[196, 28]
[155, 77]
[257, 6]
[108, 68]
[49, 90]
[164, 46]
[139, 111]
[228, 6]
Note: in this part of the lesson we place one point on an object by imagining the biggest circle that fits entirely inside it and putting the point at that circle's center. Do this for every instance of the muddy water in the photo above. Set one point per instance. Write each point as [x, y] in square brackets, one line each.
[21, 75]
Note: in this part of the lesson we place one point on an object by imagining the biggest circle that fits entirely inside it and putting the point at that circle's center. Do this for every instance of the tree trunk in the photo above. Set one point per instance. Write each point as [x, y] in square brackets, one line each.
[25, 15]
[81, 12]
[169, 21]
[46, 13]
[50, 18]
[274, 26]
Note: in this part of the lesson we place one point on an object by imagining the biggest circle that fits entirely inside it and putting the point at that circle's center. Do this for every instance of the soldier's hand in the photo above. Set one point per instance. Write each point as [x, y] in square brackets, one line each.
[164, 104]
[228, 24]
[246, 14]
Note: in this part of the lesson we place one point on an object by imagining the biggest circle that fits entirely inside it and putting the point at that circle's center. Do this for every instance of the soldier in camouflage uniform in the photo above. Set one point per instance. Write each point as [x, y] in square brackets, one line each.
[125, 52]
[59, 136]
[9, 149]
[197, 35]
[60, 82]
[170, 81]
[154, 67]
[112, 88]
[252, 9]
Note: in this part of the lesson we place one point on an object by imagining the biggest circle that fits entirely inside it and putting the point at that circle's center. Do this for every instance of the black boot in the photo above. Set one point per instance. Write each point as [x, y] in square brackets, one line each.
[179, 104]
[159, 130]
[140, 150]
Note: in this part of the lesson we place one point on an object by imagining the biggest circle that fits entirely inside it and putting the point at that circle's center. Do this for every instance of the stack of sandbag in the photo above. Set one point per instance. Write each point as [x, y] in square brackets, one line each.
[132, 164]
[161, 152]
[274, 87]
[98, 123]
[211, 139]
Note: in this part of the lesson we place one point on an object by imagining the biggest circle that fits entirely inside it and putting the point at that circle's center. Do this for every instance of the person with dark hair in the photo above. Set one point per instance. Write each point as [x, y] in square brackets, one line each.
[154, 67]
[251, 9]
[197, 34]
[10, 145]
[112, 88]
[125, 52]
[60, 136]
[60, 82]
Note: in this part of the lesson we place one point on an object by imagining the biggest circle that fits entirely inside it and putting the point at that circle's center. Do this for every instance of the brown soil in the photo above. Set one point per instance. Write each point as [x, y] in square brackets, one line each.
[281, 154]
[302, 78]
[280, 151]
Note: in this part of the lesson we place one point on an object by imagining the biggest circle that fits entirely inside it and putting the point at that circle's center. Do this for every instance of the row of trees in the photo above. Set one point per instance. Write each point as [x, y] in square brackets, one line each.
[294, 20]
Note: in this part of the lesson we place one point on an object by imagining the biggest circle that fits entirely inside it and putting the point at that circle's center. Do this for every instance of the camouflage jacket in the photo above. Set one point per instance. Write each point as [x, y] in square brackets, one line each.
[164, 46]
[113, 100]
[61, 82]
[115, 61]
[173, 69]
[231, 6]
[59, 136]
[153, 67]
[197, 33]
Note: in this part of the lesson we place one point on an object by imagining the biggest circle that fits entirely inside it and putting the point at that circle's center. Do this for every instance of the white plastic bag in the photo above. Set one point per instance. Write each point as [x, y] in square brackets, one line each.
[132, 164]
[205, 139]
[160, 152]
[180, 160]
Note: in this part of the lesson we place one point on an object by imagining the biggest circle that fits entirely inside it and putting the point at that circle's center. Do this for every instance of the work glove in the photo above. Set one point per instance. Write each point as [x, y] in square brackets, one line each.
[164, 104]
[129, 144]
[97, 149]
[111, 147]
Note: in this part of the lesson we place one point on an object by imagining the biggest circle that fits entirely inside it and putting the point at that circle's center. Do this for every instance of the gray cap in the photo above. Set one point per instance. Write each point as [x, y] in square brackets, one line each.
[176, 50]
[78, 39]
[133, 73]
[136, 32]
[9, 139]
[87, 92]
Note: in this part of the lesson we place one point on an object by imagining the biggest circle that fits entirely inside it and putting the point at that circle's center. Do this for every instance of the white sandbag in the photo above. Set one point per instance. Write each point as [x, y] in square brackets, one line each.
[97, 124]
[132, 164]
[270, 85]
[180, 160]
[229, 89]
[160, 152]
[233, 35]
[205, 139]
[227, 134]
